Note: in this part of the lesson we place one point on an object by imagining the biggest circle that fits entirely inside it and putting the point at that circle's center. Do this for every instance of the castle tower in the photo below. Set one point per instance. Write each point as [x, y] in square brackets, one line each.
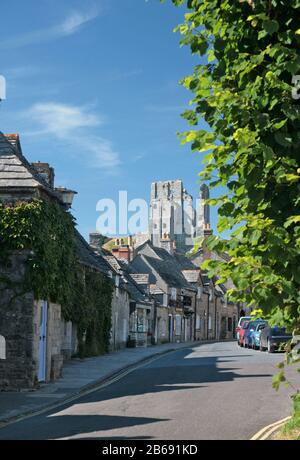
[202, 211]
[172, 214]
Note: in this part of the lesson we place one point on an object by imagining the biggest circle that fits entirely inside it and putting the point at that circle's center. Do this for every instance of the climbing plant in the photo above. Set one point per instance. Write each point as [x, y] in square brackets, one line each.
[53, 270]
[91, 311]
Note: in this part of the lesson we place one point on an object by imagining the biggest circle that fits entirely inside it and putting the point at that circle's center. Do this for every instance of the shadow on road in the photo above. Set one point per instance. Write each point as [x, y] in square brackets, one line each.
[175, 371]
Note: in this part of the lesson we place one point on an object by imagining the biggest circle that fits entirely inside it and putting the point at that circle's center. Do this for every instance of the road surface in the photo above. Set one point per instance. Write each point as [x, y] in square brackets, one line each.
[211, 391]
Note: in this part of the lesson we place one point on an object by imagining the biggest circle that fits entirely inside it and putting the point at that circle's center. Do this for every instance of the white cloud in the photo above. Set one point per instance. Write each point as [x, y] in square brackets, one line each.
[73, 125]
[61, 119]
[73, 23]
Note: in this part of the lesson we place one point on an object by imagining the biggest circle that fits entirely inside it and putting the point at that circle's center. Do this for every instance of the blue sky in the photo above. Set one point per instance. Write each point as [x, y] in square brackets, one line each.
[92, 88]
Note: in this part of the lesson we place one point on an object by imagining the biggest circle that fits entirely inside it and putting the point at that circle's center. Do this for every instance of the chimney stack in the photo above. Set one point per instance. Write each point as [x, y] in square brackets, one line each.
[45, 171]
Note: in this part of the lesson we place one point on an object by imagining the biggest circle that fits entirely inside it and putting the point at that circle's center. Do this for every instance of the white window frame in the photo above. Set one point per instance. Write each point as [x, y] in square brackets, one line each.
[2, 347]
[173, 293]
[199, 292]
[198, 322]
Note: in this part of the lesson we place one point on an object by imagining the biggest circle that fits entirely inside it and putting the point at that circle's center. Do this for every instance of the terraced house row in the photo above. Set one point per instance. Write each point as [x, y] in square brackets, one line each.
[133, 291]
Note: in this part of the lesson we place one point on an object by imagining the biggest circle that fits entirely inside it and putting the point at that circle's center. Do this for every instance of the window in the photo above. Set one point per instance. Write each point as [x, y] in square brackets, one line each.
[141, 320]
[229, 324]
[2, 347]
[177, 325]
[199, 292]
[165, 300]
[198, 322]
[164, 328]
[173, 293]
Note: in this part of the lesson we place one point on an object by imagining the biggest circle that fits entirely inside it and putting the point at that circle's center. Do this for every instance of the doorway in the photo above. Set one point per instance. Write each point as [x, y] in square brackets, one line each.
[43, 341]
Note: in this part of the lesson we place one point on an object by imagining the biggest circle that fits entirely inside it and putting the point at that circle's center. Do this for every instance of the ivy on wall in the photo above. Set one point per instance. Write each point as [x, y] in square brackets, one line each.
[54, 271]
[90, 309]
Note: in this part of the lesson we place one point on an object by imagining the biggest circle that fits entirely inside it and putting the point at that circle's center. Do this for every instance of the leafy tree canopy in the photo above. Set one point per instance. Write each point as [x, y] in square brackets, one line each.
[246, 91]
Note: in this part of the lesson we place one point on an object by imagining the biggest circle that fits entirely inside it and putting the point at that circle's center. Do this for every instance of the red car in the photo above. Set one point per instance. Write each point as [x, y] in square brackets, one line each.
[242, 333]
[240, 325]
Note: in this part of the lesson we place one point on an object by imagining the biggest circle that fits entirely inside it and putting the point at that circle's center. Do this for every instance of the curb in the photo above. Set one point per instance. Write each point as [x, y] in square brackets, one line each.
[265, 433]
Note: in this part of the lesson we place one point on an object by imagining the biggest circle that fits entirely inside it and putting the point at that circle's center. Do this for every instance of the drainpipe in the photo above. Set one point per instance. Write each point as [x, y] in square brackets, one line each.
[155, 325]
[195, 317]
[207, 324]
[216, 318]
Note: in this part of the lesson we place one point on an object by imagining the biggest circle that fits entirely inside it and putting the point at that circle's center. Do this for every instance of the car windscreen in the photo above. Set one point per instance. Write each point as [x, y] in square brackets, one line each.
[243, 321]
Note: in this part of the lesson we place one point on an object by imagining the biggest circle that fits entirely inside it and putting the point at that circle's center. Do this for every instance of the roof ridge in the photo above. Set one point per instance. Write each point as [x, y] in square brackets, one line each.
[17, 151]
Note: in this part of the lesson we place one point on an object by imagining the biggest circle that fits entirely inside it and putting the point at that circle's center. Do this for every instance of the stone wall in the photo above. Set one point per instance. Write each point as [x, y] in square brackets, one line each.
[18, 369]
[66, 330]
[120, 319]
[20, 318]
[54, 342]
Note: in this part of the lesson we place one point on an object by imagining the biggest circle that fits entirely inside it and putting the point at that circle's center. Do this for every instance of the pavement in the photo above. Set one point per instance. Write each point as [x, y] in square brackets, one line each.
[78, 376]
[199, 391]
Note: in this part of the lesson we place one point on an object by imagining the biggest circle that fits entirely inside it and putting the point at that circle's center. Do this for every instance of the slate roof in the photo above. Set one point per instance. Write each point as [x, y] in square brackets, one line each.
[139, 265]
[140, 278]
[15, 170]
[135, 291]
[184, 262]
[192, 276]
[154, 289]
[166, 265]
[113, 262]
[89, 258]
[169, 272]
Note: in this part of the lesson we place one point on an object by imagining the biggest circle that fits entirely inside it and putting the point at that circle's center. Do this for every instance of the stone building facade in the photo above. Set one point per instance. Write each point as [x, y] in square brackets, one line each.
[34, 337]
[32, 353]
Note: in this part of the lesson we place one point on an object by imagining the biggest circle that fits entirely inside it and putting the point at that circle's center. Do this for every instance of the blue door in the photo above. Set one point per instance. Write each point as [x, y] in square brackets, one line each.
[42, 342]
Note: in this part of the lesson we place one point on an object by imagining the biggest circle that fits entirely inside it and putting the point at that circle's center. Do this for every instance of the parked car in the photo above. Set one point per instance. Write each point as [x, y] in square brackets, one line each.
[253, 336]
[242, 333]
[247, 339]
[240, 325]
[272, 337]
[249, 333]
[256, 334]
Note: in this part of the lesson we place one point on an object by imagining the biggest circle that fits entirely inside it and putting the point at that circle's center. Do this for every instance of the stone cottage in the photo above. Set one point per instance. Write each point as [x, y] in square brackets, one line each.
[34, 337]
[175, 297]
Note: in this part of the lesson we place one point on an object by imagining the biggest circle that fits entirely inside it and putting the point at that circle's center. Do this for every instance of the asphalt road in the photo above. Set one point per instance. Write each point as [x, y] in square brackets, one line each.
[212, 391]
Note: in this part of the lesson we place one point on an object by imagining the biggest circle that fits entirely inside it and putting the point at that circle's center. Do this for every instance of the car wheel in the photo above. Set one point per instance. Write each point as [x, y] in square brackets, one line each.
[270, 348]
